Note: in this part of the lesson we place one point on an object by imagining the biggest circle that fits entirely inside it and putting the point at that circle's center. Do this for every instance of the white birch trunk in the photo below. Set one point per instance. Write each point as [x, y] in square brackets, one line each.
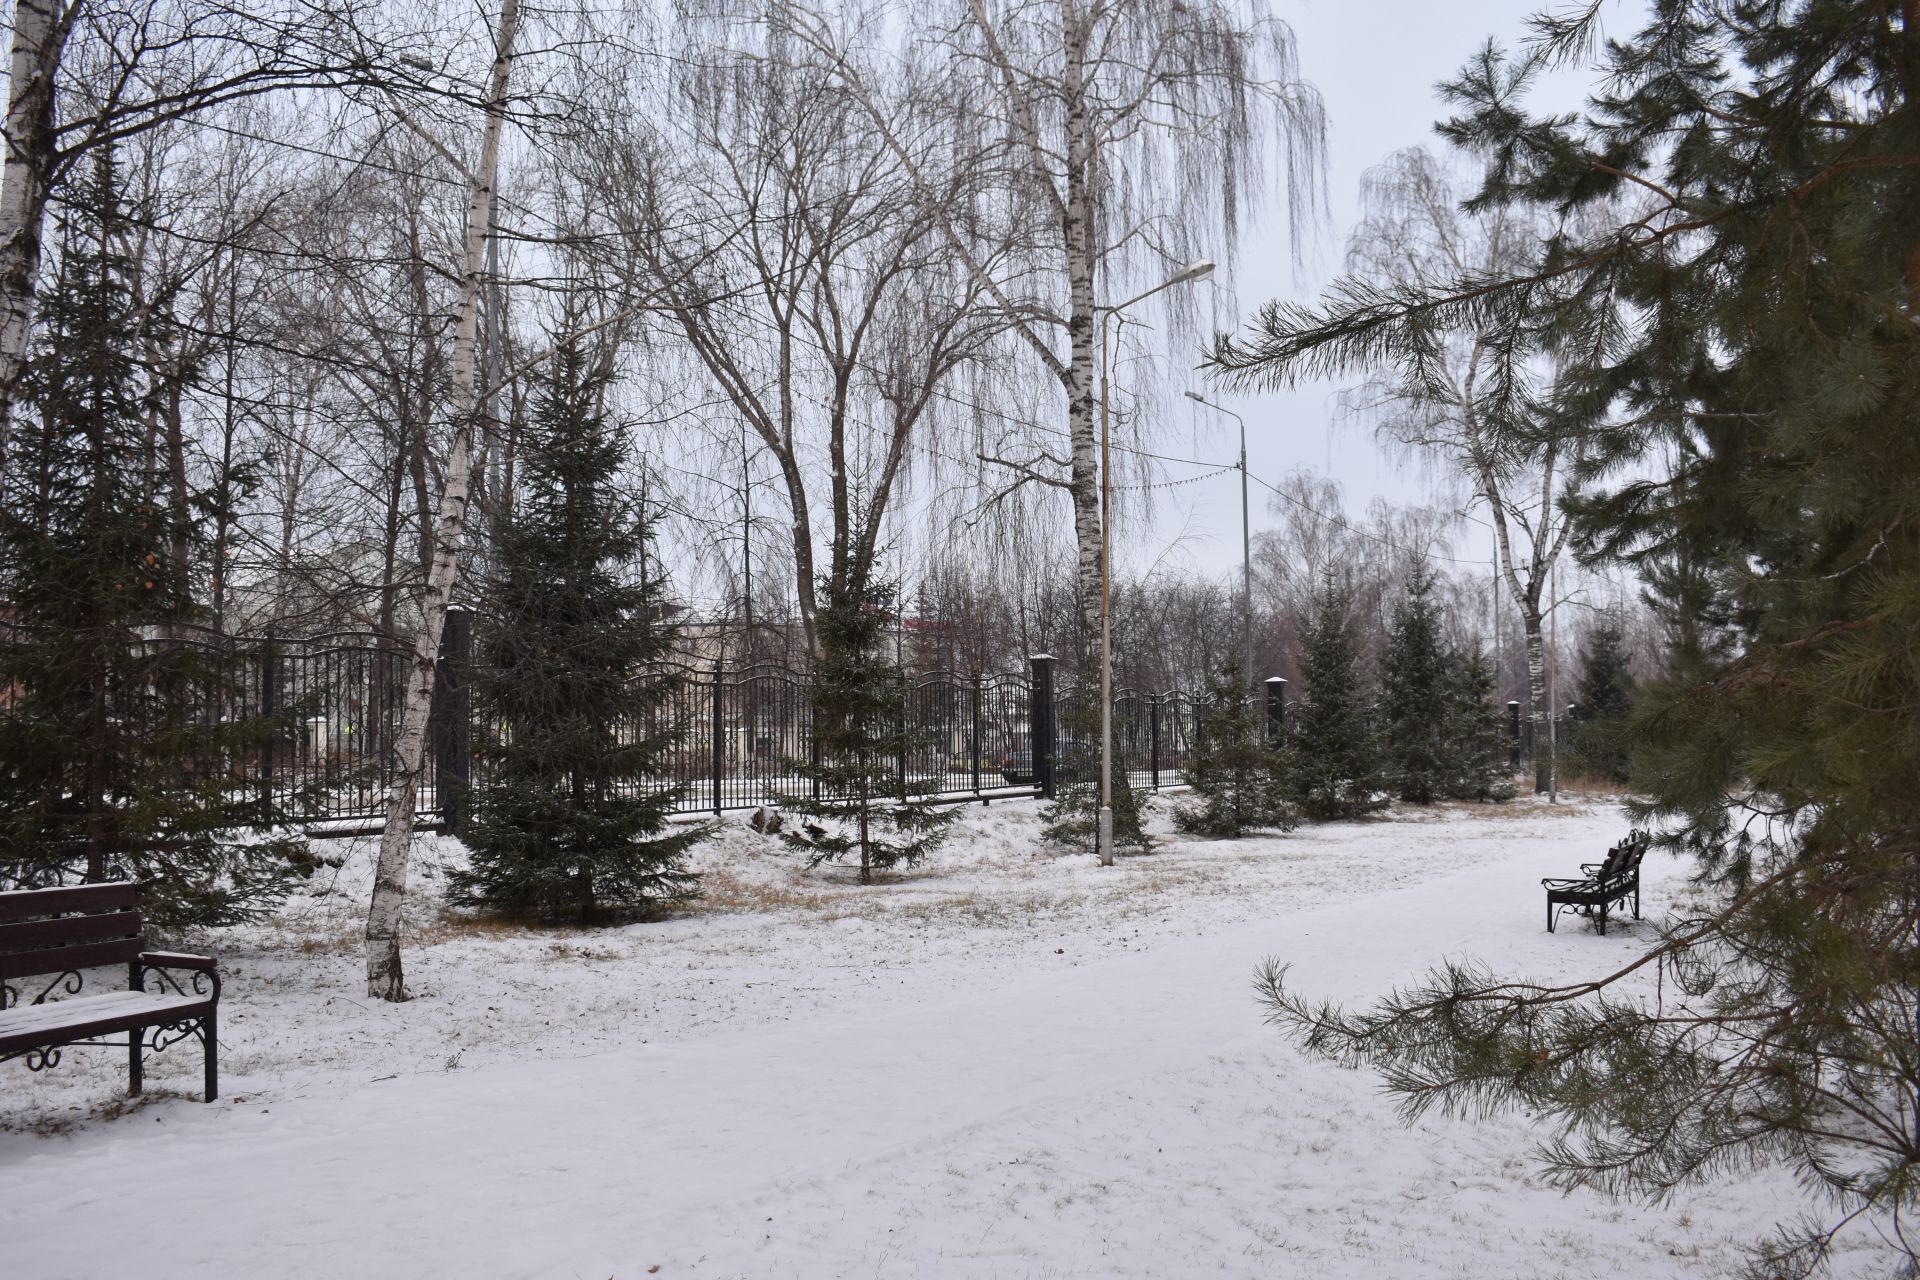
[39, 34]
[1078, 232]
[1537, 701]
[385, 976]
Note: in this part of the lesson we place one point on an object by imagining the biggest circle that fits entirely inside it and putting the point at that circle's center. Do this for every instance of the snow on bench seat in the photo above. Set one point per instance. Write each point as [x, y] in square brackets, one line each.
[103, 1014]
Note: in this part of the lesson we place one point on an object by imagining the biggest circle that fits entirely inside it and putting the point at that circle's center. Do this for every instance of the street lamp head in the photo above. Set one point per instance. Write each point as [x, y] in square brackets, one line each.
[1198, 269]
[1195, 395]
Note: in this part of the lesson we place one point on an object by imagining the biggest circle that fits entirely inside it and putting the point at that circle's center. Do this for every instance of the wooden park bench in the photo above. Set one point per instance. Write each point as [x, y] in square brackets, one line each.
[1600, 884]
[49, 937]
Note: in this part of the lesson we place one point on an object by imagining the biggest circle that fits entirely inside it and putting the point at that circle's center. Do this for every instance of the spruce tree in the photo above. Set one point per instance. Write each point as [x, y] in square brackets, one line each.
[857, 804]
[1335, 765]
[1072, 821]
[1606, 703]
[1414, 695]
[568, 814]
[1237, 771]
[124, 726]
[1475, 761]
[1733, 301]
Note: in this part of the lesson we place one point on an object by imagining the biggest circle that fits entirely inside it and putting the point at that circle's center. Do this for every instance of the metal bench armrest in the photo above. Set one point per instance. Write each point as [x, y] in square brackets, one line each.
[182, 974]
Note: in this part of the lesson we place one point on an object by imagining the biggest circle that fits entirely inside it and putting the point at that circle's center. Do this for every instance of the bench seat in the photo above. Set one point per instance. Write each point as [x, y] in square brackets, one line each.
[82, 1017]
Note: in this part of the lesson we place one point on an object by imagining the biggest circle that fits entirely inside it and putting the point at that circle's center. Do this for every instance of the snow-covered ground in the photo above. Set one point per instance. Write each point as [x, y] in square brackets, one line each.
[1004, 1064]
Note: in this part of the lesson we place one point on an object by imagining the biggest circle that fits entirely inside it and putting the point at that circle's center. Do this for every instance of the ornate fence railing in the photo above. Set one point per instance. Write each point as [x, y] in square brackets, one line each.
[734, 733]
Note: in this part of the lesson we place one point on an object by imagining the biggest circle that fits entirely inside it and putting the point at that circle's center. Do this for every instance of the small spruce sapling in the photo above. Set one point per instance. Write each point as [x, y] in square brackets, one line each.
[1072, 821]
[857, 804]
[1237, 771]
[1415, 703]
[1477, 766]
[1606, 705]
[1335, 764]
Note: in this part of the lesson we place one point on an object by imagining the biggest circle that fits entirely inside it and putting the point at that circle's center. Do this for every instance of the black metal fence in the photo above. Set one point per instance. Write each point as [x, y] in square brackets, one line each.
[736, 732]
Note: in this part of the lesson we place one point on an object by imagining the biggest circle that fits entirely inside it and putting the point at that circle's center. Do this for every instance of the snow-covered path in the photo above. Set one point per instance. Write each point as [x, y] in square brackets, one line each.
[1123, 1114]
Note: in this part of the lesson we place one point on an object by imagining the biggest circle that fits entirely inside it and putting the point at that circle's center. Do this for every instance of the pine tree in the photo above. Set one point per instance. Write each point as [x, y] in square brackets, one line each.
[124, 723]
[1476, 764]
[859, 804]
[1415, 703]
[1237, 772]
[1335, 767]
[1733, 301]
[1072, 821]
[1606, 703]
[568, 817]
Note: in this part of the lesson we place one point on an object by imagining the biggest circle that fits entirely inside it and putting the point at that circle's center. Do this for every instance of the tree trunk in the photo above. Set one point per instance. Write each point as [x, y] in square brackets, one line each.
[1077, 234]
[180, 501]
[385, 976]
[39, 34]
[1537, 700]
[866, 857]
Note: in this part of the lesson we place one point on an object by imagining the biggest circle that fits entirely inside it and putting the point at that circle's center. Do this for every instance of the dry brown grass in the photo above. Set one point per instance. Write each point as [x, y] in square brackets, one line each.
[724, 893]
[345, 938]
[1584, 787]
[455, 926]
[569, 951]
[1519, 810]
[333, 944]
[984, 911]
[108, 1108]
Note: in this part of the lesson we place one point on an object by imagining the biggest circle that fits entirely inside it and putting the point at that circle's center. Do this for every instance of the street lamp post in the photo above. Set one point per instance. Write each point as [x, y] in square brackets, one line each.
[1103, 831]
[1246, 538]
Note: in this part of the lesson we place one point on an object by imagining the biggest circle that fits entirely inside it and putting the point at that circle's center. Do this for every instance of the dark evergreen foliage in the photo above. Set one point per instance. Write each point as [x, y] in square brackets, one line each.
[124, 723]
[1335, 764]
[1072, 821]
[1606, 702]
[1735, 313]
[1237, 772]
[857, 803]
[1414, 692]
[1476, 763]
[568, 814]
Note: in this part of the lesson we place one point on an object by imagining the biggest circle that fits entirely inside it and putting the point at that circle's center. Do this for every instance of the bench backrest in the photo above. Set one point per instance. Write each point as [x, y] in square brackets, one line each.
[59, 930]
[1615, 860]
[1624, 858]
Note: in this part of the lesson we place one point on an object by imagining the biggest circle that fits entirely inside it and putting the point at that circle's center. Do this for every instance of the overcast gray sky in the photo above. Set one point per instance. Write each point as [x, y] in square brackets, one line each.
[1375, 66]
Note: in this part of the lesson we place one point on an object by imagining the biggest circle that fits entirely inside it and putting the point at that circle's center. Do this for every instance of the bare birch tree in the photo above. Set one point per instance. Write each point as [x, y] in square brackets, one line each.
[40, 29]
[1125, 138]
[385, 914]
[1478, 406]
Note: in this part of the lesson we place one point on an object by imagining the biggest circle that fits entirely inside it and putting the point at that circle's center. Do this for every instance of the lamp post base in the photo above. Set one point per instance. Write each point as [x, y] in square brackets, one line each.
[1103, 836]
